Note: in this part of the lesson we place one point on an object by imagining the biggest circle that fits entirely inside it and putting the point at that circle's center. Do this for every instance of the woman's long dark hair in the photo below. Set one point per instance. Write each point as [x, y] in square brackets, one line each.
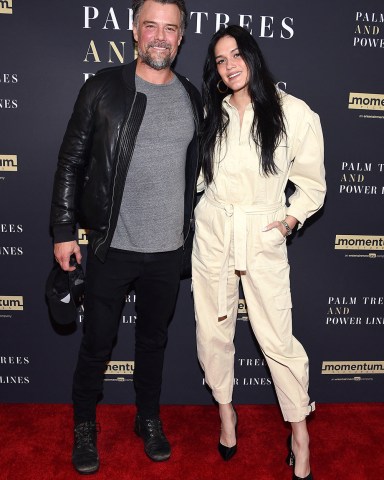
[268, 122]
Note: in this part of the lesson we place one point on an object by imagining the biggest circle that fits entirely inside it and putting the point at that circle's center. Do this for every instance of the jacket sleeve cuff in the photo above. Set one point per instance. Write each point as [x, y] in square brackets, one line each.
[298, 214]
[63, 233]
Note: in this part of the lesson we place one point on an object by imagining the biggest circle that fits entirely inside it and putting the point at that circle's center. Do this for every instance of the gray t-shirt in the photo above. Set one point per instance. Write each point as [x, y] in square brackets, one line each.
[151, 216]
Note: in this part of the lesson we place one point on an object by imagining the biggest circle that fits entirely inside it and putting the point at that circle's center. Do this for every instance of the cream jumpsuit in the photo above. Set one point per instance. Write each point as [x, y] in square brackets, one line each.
[229, 241]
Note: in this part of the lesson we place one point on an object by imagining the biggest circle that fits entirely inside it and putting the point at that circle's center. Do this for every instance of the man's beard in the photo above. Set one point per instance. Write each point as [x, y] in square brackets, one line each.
[157, 63]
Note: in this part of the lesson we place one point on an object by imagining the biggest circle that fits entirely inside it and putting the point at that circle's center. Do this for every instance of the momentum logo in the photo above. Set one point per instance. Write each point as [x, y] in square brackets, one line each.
[359, 242]
[118, 371]
[82, 236]
[120, 368]
[8, 163]
[366, 101]
[363, 367]
[242, 313]
[11, 303]
[6, 6]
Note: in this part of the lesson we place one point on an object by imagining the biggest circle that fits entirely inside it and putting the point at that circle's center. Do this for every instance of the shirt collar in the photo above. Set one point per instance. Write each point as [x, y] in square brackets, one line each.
[227, 103]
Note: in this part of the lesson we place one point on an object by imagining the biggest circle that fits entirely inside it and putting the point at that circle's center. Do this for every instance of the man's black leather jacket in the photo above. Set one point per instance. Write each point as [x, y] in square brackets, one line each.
[96, 152]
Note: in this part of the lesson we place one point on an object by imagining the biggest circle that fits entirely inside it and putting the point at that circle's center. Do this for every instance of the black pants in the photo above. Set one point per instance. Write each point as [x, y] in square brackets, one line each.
[155, 278]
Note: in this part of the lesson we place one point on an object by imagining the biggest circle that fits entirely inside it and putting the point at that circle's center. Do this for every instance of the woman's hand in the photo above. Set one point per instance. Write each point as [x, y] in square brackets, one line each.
[280, 225]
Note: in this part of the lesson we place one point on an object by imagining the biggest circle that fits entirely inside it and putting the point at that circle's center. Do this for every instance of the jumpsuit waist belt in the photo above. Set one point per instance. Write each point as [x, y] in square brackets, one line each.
[239, 215]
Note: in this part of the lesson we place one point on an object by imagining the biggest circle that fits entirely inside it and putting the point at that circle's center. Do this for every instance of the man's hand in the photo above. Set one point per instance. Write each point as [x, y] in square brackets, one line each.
[63, 252]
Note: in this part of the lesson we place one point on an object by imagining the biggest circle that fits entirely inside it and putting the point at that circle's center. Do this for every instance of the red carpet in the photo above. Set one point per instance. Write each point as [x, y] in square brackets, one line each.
[347, 444]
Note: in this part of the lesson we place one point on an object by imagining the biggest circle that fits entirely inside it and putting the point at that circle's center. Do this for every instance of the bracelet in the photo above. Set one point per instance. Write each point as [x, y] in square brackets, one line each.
[287, 227]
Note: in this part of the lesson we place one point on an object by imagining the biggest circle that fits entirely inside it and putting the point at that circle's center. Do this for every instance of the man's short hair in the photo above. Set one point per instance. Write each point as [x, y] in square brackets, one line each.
[137, 5]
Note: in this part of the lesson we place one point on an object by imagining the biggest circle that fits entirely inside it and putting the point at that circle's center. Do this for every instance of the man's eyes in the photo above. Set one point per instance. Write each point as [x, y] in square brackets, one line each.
[151, 26]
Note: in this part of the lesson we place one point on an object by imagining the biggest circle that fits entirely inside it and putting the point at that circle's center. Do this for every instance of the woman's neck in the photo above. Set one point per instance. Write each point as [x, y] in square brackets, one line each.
[240, 100]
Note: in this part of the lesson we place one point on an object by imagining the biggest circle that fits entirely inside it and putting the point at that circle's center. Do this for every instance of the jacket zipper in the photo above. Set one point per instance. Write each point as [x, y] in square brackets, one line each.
[195, 117]
[103, 240]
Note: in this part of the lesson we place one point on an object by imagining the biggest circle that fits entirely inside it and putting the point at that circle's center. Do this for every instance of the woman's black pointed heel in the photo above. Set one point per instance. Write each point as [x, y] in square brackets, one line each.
[291, 462]
[228, 452]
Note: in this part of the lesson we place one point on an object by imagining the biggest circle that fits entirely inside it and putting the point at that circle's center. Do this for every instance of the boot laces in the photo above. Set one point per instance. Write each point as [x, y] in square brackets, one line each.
[85, 433]
[154, 427]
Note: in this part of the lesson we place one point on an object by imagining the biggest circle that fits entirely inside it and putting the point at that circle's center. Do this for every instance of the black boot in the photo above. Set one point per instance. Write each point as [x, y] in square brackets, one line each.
[85, 458]
[156, 445]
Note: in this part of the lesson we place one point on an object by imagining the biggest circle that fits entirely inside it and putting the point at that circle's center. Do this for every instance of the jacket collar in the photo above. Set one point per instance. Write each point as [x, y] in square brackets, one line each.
[129, 72]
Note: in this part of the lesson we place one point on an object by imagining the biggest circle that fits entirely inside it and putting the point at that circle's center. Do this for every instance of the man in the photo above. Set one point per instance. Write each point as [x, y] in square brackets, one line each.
[127, 171]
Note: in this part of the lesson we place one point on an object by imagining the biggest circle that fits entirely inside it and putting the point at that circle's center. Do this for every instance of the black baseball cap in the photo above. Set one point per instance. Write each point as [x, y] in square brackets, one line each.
[65, 292]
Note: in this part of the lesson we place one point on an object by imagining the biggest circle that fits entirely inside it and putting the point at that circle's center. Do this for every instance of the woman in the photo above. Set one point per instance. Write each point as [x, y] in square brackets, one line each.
[255, 138]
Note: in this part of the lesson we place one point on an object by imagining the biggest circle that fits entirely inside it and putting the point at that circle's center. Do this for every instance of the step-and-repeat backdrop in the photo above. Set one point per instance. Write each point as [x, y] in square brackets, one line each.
[328, 53]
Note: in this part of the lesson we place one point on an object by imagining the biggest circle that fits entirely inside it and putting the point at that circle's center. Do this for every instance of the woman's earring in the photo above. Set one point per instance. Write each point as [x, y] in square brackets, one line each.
[218, 87]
